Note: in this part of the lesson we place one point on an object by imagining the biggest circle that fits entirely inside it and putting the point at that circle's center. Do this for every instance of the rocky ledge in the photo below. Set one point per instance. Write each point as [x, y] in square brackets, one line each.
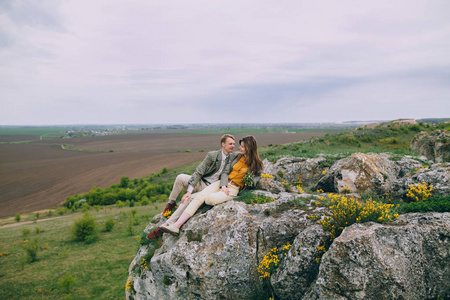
[219, 250]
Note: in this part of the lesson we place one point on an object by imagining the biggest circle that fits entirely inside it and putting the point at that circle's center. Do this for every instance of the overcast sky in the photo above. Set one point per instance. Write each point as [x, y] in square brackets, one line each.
[148, 61]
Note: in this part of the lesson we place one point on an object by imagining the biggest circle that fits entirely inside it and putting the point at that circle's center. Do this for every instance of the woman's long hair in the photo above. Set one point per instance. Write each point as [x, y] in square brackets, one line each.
[254, 163]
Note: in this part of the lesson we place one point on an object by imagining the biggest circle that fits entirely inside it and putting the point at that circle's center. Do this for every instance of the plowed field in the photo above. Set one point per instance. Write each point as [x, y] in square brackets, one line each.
[41, 174]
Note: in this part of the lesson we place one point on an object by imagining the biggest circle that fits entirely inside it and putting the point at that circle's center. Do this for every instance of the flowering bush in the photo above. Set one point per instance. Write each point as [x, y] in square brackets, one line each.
[169, 213]
[347, 211]
[419, 192]
[271, 260]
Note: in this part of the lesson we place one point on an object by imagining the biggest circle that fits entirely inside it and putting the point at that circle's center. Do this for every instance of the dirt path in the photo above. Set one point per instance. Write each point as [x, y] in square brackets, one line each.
[31, 222]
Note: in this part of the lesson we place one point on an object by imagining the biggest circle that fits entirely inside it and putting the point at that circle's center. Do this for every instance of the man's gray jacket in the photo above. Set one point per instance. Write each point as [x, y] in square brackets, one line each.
[209, 166]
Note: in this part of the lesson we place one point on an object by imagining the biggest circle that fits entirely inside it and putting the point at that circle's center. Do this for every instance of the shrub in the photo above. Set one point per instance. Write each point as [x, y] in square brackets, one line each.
[347, 211]
[109, 224]
[348, 139]
[85, 229]
[37, 230]
[66, 282]
[25, 233]
[124, 182]
[31, 250]
[17, 218]
[145, 201]
[61, 211]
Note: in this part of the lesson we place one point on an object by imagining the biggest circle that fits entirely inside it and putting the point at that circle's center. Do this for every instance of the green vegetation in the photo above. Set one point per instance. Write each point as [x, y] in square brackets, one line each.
[436, 203]
[54, 265]
[85, 229]
[392, 138]
[136, 192]
[248, 198]
[99, 270]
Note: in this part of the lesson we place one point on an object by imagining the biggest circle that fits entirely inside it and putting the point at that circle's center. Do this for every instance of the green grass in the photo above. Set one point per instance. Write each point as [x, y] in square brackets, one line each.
[435, 203]
[393, 139]
[100, 269]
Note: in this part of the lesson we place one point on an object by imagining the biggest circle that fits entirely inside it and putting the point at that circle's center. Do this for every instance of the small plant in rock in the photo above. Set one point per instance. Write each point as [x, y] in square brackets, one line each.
[249, 198]
[271, 260]
[129, 286]
[345, 190]
[166, 280]
[194, 236]
[264, 175]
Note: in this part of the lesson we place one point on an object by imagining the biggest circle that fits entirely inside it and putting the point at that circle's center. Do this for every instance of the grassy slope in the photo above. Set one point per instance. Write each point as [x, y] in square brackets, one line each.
[100, 269]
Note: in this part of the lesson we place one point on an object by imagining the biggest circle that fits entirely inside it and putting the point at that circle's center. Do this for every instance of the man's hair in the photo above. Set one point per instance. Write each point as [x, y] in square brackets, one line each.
[224, 138]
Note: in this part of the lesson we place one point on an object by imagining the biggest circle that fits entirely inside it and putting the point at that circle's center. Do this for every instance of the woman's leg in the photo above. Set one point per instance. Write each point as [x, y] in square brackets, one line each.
[220, 197]
[196, 201]
[177, 213]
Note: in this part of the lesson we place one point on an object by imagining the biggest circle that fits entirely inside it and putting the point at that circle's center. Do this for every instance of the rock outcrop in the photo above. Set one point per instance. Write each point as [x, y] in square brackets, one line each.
[217, 254]
[361, 173]
[435, 146]
[218, 251]
[407, 259]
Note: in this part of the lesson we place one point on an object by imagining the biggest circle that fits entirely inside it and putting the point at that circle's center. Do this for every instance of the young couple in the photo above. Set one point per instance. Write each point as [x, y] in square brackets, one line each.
[217, 179]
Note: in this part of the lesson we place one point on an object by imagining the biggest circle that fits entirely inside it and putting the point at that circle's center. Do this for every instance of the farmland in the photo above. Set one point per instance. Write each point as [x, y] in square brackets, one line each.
[42, 173]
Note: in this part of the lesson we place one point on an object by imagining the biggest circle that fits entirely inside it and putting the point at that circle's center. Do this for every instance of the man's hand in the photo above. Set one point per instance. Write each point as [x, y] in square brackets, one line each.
[186, 197]
[226, 190]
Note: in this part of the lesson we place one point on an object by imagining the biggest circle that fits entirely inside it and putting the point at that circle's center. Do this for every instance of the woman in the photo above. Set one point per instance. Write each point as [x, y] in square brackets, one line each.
[225, 189]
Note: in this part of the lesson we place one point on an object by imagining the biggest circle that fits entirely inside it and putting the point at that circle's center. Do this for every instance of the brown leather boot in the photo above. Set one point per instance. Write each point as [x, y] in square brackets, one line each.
[169, 206]
[154, 234]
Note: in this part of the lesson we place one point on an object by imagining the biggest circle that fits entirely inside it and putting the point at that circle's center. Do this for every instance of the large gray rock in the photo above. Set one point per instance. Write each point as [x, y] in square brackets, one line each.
[435, 146]
[408, 259]
[361, 173]
[437, 175]
[295, 169]
[299, 268]
[216, 256]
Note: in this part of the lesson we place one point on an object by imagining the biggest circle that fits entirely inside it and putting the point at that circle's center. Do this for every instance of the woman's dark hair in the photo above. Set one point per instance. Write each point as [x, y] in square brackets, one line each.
[254, 163]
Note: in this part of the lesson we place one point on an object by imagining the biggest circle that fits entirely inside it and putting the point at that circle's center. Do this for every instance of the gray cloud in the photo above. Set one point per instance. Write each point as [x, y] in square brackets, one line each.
[152, 61]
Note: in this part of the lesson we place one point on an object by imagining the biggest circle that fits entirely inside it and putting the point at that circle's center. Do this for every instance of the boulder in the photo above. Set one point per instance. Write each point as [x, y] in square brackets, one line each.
[437, 175]
[434, 146]
[293, 170]
[299, 268]
[361, 173]
[217, 253]
[407, 259]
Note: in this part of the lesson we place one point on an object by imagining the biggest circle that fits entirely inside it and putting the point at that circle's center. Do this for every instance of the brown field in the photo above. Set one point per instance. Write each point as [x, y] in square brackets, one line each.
[40, 175]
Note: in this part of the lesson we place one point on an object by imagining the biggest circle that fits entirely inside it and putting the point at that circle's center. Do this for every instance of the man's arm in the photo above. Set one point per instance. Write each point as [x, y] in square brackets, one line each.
[201, 169]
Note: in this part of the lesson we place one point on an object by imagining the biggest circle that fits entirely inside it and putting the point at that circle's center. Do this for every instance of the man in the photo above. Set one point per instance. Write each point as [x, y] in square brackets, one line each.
[206, 173]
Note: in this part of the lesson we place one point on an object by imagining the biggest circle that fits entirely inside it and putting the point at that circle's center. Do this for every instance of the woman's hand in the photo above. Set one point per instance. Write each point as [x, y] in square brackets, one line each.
[186, 197]
[226, 190]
